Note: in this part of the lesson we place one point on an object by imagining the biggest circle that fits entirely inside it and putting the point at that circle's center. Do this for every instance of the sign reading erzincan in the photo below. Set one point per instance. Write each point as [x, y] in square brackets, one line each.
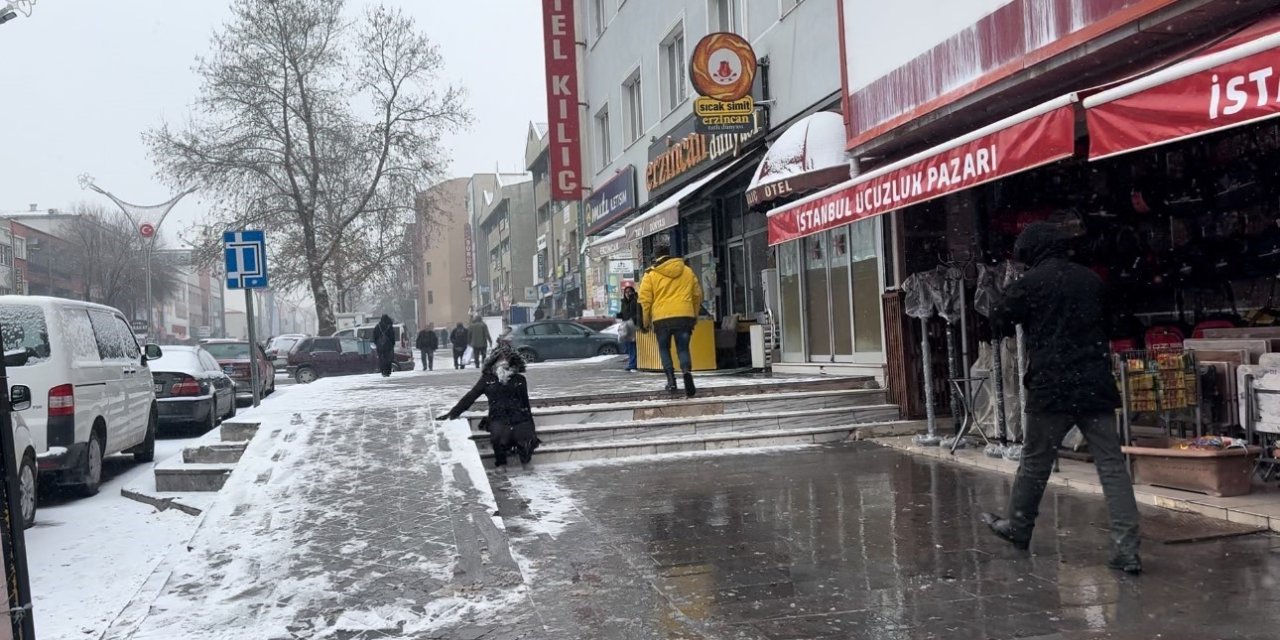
[565, 148]
[469, 252]
[683, 150]
[1023, 142]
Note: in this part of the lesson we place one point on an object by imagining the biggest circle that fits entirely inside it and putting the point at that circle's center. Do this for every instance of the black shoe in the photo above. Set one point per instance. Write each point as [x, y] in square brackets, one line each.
[689, 389]
[1004, 529]
[671, 381]
[1128, 563]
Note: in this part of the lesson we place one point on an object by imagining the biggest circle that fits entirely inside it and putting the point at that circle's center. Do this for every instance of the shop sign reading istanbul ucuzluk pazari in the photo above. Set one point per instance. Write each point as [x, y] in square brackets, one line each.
[684, 150]
[723, 70]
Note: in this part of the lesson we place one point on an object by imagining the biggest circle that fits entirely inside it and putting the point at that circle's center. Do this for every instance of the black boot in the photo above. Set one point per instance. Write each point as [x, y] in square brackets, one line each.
[671, 380]
[1004, 529]
[1129, 563]
[689, 390]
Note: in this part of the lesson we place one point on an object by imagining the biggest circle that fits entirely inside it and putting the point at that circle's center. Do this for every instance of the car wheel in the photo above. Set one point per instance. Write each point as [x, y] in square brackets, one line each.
[271, 388]
[92, 471]
[146, 452]
[608, 350]
[305, 375]
[528, 354]
[28, 488]
[211, 422]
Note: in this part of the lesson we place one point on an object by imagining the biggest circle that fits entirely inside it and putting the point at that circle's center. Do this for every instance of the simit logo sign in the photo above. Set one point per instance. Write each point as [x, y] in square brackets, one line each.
[562, 100]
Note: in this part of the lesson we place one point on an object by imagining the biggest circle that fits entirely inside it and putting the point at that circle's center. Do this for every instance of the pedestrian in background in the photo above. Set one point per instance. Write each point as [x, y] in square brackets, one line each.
[480, 340]
[459, 339]
[1069, 383]
[670, 297]
[384, 341]
[631, 316]
[510, 420]
[427, 342]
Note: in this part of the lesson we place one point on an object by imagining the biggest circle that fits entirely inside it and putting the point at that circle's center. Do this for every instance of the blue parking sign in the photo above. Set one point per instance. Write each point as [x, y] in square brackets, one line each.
[245, 253]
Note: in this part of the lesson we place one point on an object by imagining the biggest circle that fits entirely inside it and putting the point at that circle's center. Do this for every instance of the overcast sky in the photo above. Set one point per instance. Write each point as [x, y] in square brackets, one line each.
[81, 79]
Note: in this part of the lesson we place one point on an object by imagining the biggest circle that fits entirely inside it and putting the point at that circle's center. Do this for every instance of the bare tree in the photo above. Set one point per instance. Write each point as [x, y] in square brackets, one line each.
[108, 254]
[320, 130]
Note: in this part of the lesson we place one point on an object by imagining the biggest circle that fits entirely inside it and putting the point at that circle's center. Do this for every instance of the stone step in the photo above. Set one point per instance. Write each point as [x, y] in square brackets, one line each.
[224, 453]
[750, 386]
[606, 449]
[192, 477]
[690, 408]
[238, 431]
[705, 425]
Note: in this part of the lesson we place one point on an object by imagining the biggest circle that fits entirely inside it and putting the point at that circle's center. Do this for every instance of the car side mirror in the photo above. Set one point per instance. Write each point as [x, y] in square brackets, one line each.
[19, 397]
[153, 351]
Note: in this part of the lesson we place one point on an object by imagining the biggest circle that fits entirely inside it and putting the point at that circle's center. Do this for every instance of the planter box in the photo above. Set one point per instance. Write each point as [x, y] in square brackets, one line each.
[1216, 473]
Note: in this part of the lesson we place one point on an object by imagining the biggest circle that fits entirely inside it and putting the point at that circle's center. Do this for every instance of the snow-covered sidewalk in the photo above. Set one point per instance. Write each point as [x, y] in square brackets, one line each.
[352, 510]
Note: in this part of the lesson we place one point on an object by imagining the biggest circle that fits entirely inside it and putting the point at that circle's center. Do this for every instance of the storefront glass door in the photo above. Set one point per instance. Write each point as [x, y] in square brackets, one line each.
[817, 296]
[841, 296]
[868, 334]
[792, 306]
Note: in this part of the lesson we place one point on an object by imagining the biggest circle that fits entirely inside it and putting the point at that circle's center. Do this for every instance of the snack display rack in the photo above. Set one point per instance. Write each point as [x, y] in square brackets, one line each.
[1163, 382]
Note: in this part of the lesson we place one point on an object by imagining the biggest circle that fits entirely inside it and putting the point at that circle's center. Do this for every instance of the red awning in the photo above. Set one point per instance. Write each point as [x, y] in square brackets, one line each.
[1233, 83]
[1024, 141]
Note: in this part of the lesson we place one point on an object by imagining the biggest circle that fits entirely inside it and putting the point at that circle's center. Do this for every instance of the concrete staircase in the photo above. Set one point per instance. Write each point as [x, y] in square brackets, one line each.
[726, 417]
[207, 465]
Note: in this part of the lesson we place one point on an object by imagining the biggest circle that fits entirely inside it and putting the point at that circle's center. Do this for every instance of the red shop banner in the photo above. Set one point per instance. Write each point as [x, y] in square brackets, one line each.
[1205, 94]
[564, 129]
[1025, 144]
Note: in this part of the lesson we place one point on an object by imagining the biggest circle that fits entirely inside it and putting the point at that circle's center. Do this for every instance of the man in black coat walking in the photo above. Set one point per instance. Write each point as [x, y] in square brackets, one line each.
[384, 341]
[459, 339]
[427, 342]
[1069, 383]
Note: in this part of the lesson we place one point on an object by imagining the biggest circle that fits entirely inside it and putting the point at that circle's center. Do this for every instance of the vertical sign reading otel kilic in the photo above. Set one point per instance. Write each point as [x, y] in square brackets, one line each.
[562, 100]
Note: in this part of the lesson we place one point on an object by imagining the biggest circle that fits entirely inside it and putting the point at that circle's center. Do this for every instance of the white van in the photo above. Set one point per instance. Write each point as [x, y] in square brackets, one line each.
[91, 393]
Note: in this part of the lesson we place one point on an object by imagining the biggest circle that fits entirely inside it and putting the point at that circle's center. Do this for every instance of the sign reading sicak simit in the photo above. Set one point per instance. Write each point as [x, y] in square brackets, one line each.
[565, 148]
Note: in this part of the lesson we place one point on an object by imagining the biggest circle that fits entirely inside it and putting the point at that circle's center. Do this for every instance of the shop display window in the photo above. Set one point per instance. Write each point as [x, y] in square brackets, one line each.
[792, 307]
[865, 260]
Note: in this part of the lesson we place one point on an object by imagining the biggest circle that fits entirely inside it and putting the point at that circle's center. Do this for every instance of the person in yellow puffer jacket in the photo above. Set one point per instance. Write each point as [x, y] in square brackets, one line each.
[670, 297]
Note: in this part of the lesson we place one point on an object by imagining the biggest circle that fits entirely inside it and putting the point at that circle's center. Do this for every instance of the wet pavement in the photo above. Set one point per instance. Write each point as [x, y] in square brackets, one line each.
[849, 541]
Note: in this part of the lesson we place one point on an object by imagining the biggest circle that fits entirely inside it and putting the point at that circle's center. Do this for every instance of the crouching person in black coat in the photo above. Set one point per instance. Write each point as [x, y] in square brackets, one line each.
[510, 421]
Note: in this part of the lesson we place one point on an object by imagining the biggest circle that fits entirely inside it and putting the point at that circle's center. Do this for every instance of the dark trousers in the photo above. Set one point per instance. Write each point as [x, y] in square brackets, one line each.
[428, 359]
[506, 438]
[384, 363]
[478, 355]
[681, 335]
[630, 348]
[457, 357]
[1044, 433]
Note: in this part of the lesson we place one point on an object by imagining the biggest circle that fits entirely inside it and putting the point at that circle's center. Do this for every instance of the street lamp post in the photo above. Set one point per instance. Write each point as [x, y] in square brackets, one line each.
[146, 220]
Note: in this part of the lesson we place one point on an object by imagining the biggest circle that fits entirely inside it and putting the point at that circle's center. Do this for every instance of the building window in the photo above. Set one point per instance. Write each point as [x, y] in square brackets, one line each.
[603, 148]
[428, 268]
[634, 115]
[674, 84]
[598, 18]
[6, 255]
[431, 297]
[725, 15]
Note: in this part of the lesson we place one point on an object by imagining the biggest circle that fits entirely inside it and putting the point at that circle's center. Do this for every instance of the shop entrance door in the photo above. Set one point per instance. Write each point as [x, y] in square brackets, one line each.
[817, 296]
[737, 279]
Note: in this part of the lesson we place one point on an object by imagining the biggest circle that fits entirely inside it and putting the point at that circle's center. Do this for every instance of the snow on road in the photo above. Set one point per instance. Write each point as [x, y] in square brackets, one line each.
[88, 556]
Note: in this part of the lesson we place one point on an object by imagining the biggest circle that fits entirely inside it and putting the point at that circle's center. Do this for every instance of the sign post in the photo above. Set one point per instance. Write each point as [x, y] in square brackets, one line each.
[13, 558]
[245, 254]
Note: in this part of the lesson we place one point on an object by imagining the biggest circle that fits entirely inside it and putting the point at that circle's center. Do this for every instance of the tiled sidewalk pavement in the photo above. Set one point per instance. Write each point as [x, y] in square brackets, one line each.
[854, 541]
[349, 517]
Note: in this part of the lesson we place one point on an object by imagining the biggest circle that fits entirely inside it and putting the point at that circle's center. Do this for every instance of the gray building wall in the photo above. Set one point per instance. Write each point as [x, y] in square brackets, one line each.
[802, 48]
[523, 217]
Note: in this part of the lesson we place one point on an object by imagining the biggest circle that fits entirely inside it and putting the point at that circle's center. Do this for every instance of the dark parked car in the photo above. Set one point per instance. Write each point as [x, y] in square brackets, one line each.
[233, 356]
[320, 357]
[559, 339]
[191, 388]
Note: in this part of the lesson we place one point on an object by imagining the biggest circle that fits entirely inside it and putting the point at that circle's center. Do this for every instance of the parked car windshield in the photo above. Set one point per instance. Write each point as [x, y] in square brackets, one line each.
[23, 327]
[228, 350]
[176, 360]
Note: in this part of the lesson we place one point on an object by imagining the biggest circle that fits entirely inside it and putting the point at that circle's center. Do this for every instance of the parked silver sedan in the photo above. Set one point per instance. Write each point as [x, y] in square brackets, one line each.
[559, 339]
